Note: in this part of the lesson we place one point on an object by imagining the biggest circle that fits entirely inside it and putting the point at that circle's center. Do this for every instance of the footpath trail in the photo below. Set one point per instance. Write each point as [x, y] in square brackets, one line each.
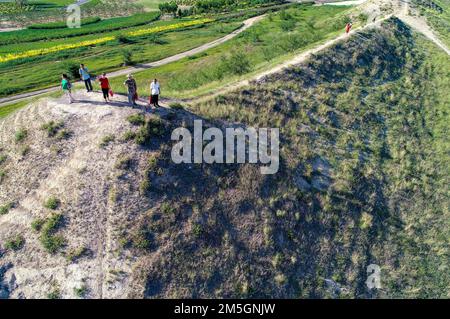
[420, 25]
[246, 24]
[294, 61]
[401, 11]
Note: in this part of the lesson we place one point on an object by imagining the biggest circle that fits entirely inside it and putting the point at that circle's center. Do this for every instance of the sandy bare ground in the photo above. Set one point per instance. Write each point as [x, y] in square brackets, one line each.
[82, 175]
[420, 25]
[246, 24]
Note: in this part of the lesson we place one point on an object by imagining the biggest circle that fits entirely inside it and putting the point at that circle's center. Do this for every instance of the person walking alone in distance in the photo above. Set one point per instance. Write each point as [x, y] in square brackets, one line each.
[348, 27]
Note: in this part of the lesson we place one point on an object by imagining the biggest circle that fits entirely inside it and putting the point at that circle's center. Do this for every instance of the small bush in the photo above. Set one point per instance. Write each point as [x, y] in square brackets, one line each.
[127, 56]
[2, 175]
[37, 224]
[63, 135]
[55, 149]
[24, 150]
[112, 195]
[281, 213]
[15, 243]
[51, 242]
[3, 159]
[136, 119]
[80, 292]
[124, 163]
[366, 221]
[52, 128]
[128, 136]
[54, 294]
[52, 203]
[145, 186]
[73, 70]
[156, 39]
[237, 63]
[121, 38]
[106, 140]
[75, 254]
[6, 208]
[142, 136]
[280, 279]
[20, 135]
[152, 163]
[153, 127]
[287, 25]
[197, 230]
[141, 239]
[167, 209]
[284, 15]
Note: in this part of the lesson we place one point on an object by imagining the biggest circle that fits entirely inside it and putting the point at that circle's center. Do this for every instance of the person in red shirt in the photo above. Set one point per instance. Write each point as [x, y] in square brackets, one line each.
[104, 84]
[348, 27]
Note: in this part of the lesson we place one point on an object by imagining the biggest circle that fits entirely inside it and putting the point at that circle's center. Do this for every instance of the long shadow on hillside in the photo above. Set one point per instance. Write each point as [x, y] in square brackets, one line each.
[310, 230]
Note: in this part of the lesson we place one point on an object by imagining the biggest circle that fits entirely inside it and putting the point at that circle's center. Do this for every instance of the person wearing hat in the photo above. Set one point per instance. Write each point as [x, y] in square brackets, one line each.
[130, 83]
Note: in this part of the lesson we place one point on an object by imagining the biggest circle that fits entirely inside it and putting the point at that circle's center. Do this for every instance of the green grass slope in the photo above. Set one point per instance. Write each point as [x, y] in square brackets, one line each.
[437, 12]
[363, 180]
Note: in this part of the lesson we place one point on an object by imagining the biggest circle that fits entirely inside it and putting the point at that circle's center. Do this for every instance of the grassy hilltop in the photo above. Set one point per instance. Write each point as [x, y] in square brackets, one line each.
[92, 206]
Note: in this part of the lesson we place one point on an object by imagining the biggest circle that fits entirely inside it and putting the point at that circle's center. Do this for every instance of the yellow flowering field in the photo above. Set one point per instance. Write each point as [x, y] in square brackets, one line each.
[37, 52]
[168, 27]
[31, 53]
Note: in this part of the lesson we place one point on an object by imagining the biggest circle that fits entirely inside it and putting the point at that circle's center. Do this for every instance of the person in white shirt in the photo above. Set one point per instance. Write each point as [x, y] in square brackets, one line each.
[155, 90]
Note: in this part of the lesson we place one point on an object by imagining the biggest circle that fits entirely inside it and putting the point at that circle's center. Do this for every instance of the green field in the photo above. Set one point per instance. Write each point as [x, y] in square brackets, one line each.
[364, 158]
[270, 41]
[382, 127]
[42, 71]
[31, 71]
[151, 4]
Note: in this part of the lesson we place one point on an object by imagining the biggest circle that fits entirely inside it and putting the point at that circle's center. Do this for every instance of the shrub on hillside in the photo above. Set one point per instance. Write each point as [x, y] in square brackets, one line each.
[4, 209]
[168, 7]
[237, 63]
[127, 57]
[15, 243]
[20, 135]
[52, 128]
[52, 203]
[52, 242]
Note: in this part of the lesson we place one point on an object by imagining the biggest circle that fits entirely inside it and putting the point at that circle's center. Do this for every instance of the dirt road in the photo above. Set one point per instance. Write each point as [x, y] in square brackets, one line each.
[246, 24]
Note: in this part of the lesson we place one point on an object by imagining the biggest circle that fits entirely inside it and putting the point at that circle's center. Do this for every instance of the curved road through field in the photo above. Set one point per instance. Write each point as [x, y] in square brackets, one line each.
[246, 24]
[415, 22]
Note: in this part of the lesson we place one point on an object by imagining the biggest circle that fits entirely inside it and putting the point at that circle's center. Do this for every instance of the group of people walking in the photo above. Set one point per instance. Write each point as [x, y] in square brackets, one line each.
[130, 83]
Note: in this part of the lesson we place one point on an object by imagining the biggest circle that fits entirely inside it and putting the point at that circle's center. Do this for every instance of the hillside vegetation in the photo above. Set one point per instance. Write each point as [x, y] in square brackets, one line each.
[437, 12]
[91, 201]
[365, 148]
[278, 36]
